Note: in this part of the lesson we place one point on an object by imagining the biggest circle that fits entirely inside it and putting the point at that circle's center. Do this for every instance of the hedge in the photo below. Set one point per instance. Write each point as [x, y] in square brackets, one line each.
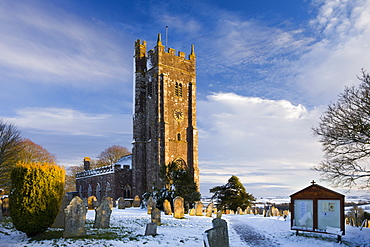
[37, 191]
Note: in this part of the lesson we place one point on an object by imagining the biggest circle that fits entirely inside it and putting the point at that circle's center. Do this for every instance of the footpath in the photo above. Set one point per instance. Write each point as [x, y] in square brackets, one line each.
[251, 236]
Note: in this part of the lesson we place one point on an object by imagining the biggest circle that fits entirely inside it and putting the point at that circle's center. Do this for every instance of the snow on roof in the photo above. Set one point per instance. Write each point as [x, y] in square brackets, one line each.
[125, 160]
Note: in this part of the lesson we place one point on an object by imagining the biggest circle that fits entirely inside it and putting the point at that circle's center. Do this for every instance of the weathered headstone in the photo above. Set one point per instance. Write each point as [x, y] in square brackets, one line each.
[199, 209]
[1, 210]
[92, 202]
[128, 204]
[59, 220]
[227, 211]
[178, 204]
[121, 203]
[102, 214]
[151, 229]
[110, 201]
[150, 204]
[5, 206]
[156, 216]
[218, 235]
[239, 210]
[167, 207]
[209, 210]
[192, 212]
[137, 201]
[75, 219]
[219, 214]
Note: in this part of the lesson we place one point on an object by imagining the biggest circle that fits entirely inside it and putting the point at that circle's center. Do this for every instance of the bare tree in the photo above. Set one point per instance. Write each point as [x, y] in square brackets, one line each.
[32, 152]
[344, 131]
[10, 138]
[70, 183]
[111, 155]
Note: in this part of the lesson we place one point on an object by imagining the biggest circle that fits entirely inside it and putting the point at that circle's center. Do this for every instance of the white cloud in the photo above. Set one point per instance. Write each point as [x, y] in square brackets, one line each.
[43, 43]
[340, 54]
[261, 141]
[64, 121]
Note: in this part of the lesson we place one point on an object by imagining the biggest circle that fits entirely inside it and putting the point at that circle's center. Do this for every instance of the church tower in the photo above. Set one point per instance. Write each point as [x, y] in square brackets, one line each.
[164, 124]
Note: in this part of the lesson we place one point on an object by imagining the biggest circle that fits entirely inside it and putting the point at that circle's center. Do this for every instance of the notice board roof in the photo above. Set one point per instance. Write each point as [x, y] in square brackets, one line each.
[316, 191]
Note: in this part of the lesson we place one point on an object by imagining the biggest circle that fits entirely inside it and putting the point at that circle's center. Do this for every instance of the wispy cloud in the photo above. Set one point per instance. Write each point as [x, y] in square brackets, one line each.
[43, 43]
[64, 121]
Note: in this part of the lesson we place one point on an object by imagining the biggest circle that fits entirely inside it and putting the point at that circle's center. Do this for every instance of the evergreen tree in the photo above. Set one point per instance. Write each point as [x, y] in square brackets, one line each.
[232, 195]
[177, 182]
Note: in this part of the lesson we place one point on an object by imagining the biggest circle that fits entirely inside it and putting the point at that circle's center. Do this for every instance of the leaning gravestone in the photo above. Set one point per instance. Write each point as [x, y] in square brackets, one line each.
[150, 203]
[218, 235]
[59, 220]
[178, 205]
[156, 216]
[102, 214]
[136, 201]
[209, 210]
[92, 202]
[151, 229]
[199, 209]
[75, 219]
[121, 203]
[167, 207]
[5, 206]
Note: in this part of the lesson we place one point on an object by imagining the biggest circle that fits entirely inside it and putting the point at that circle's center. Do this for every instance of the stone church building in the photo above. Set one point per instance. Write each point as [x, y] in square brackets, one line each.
[164, 126]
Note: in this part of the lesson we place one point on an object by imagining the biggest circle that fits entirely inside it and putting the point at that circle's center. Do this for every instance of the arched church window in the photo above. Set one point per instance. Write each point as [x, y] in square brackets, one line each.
[80, 191]
[150, 89]
[181, 163]
[176, 89]
[89, 191]
[127, 191]
[108, 190]
[180, 90]
[98, 192]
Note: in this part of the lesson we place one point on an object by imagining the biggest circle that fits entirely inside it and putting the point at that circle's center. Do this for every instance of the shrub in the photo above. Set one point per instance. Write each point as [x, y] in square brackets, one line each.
[37, 191]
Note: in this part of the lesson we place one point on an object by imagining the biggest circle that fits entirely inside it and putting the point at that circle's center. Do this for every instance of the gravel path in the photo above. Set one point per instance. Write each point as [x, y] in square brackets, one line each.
[251, 236]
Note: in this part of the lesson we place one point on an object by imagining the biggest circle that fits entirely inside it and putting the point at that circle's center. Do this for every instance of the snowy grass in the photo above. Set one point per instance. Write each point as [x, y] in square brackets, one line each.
[128, 228]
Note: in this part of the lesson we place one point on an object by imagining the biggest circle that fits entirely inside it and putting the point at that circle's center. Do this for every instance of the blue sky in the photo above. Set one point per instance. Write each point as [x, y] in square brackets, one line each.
[266, 70]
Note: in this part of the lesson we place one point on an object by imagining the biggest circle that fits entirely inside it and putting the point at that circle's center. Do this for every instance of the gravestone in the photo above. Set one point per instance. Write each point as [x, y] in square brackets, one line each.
[239, 211]
[150, 204]
[75, 217]
[5, 206]
[156, 216]
[199, 209]
[218, 235]
[167, 207]
[209, 210]
[102, 214]
[137, 201]
[110, 201]
[227, 211]
[121, 203]
[1, 210]
[219, 214]
[92, 202]
[59, 220]
[192, 212]
[178, 204]
[151, 229]
[128, 204]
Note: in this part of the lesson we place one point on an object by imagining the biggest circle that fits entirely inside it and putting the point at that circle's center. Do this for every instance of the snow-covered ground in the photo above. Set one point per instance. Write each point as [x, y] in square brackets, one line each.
[128, 228]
